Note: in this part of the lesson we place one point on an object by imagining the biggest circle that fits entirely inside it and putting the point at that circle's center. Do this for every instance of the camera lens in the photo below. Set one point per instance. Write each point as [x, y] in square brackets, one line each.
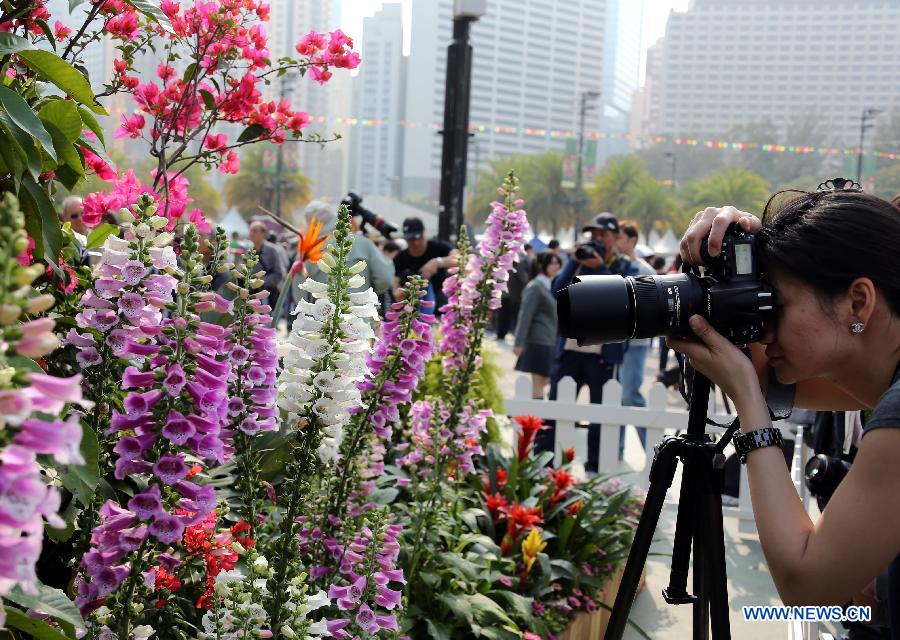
[603, 309]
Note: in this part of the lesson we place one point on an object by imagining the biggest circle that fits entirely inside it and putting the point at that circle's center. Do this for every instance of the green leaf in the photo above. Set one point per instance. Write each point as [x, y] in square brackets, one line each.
[52, 601]
[516, 604]
[64, 115]
[23, 363]
[99, 235]
[384, 496]
[73, 4]
[24, 118]
[46, 28]
[90, 121]
[11, 43]
[82, 479]
[37, 629]
[70, 515]
[10, 156]
[208, 99]
[68, 178]
[50, 229]
[152, 11]
[68, 155]
[251, 133]
[439, 631]
[63, 75]
[97, 150]
[23, 144]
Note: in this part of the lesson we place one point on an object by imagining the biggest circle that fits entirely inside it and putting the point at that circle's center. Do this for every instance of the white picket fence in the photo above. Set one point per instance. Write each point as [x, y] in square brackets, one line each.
[656, 417]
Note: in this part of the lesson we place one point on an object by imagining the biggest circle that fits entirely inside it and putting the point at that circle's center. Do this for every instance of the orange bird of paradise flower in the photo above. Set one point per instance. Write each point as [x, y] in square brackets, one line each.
[310, 245]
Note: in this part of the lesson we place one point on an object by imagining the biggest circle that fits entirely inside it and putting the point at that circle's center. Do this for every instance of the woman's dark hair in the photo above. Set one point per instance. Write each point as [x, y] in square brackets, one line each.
[543, 260]
[629, 228]
[831, 238]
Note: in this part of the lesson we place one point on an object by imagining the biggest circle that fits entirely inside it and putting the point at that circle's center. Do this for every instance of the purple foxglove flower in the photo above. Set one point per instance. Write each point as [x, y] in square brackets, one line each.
[211, 365]
[347, 597]
[256, 375]
[108, 579]
[141, 403]
[391, 575]
[170, 469]
[203, 498]
[167, 528]
[117, 340]
[79, 340]
[62, 440]
[139, 349]
[146, 504]
[131, 539]
[133, 271]
[21, 498]
[250, 426]
[236, 407]
[387, 622]
[387, 598]
[174, 380]
[135, 379]
[209, 447]
[239, 354]
[108, 287]
[211, 402]
[14, 405]
[104, 320]
[178, 429]
[203, 424]
[336, 628]
[125, 468]
[365, 618]
[131, 304]
[88, 357]
[89, 299]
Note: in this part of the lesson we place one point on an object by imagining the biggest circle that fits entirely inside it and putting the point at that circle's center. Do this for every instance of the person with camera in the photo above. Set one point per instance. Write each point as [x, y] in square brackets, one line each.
[270, 260]
[831, 259]
[426, 256]
[590, 365]
[379, 271]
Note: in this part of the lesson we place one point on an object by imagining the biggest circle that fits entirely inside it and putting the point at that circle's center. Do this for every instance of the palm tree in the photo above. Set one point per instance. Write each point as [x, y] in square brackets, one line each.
[608, 192]
[736, 187]
[540, 179]
[254, 185]
[648, 202]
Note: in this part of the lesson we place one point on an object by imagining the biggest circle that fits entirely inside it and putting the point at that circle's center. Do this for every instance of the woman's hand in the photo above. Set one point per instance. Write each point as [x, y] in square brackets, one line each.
[713, 355]
[517, 351]
[712, 223]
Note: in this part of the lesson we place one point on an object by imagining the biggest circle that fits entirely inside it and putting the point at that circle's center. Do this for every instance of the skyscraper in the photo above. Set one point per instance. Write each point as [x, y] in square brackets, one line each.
[531, 63]
[732, 62]
[378, 106]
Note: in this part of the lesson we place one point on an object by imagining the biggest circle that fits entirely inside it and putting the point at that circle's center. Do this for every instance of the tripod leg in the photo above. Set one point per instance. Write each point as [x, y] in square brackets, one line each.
[716, 577]
[661, 474]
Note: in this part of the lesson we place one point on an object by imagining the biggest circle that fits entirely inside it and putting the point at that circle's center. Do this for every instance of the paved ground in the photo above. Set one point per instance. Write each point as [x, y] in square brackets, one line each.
[749, 581]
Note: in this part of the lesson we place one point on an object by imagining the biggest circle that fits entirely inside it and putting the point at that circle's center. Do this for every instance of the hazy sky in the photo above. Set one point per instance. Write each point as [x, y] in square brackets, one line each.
[656, 12]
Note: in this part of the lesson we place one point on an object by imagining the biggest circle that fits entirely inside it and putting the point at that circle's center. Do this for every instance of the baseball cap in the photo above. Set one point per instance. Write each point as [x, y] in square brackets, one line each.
[643, 251]
[413, 228]
[603, 221]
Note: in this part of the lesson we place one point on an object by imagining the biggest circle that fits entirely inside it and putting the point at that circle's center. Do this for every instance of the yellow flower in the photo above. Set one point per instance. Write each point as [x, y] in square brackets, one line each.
[531, 547]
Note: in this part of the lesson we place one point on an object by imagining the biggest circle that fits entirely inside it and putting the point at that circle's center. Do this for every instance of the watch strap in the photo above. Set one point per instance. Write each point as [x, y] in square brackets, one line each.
[744, 443]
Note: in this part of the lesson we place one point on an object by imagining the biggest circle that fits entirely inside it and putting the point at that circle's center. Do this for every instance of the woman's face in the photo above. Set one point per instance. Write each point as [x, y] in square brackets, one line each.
[804, 339]
[553, 268]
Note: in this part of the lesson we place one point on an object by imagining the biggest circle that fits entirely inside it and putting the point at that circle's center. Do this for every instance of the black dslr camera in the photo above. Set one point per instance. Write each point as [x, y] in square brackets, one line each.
[589, 250]
[730, 292]
[354, 203]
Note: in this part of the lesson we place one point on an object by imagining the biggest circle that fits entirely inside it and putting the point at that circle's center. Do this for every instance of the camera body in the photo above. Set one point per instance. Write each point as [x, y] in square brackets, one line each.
[730, 291]
[354, 203]
[590, 249]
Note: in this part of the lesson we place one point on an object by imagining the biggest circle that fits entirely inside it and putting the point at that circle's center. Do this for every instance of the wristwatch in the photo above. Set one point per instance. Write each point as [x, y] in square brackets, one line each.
[744, 443]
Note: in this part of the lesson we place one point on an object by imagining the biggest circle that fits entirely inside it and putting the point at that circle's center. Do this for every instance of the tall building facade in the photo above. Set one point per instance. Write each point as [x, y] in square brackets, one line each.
[531, 63]
[378, 106]
[733, 62]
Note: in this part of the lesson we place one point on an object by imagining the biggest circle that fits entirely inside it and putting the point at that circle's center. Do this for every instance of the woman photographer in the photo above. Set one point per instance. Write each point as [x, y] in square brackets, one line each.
[831, 257]
[536, 327]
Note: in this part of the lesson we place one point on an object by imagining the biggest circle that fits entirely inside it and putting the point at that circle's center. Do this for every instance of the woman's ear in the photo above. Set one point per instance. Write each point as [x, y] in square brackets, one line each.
[862, 296]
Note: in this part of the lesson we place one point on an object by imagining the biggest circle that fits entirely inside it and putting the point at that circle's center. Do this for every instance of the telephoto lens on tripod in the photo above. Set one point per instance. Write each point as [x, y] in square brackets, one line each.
[354, 203]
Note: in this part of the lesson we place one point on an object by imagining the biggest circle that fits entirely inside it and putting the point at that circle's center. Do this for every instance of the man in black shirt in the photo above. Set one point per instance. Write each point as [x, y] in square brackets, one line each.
[429, 258]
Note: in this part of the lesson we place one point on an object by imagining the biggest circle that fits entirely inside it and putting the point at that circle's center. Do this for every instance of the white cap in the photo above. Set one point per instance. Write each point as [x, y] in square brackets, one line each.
[324, 212]
[643, 252]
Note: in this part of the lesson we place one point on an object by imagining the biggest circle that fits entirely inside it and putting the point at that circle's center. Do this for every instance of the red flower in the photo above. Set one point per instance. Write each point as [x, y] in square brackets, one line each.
[530, 426]
[165, 580]
[569, 455]
[501, 481]
[496, 504]
[562, 482]
[521, 519]
[575, 507]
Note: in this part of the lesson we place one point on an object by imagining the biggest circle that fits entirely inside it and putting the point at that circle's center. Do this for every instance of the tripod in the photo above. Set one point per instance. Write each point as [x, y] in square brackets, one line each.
[699, 522]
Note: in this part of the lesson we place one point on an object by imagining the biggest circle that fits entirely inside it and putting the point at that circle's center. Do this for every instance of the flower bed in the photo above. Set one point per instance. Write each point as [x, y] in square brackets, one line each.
[167, 469]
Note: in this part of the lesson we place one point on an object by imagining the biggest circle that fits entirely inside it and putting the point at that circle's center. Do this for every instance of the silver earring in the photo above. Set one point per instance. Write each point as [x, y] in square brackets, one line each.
[857, 327]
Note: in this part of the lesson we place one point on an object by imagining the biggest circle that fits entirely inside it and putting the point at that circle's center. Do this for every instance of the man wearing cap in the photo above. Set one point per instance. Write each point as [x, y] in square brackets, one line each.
[425, 256]
[595, 365]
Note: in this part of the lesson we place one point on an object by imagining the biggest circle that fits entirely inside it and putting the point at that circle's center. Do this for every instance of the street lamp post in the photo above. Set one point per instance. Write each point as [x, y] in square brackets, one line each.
[579, 171]
[864, 124]
[670, 156]
[456, 117]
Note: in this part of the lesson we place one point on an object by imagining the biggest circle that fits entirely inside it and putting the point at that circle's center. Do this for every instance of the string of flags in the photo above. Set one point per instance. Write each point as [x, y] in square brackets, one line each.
[593, 134]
